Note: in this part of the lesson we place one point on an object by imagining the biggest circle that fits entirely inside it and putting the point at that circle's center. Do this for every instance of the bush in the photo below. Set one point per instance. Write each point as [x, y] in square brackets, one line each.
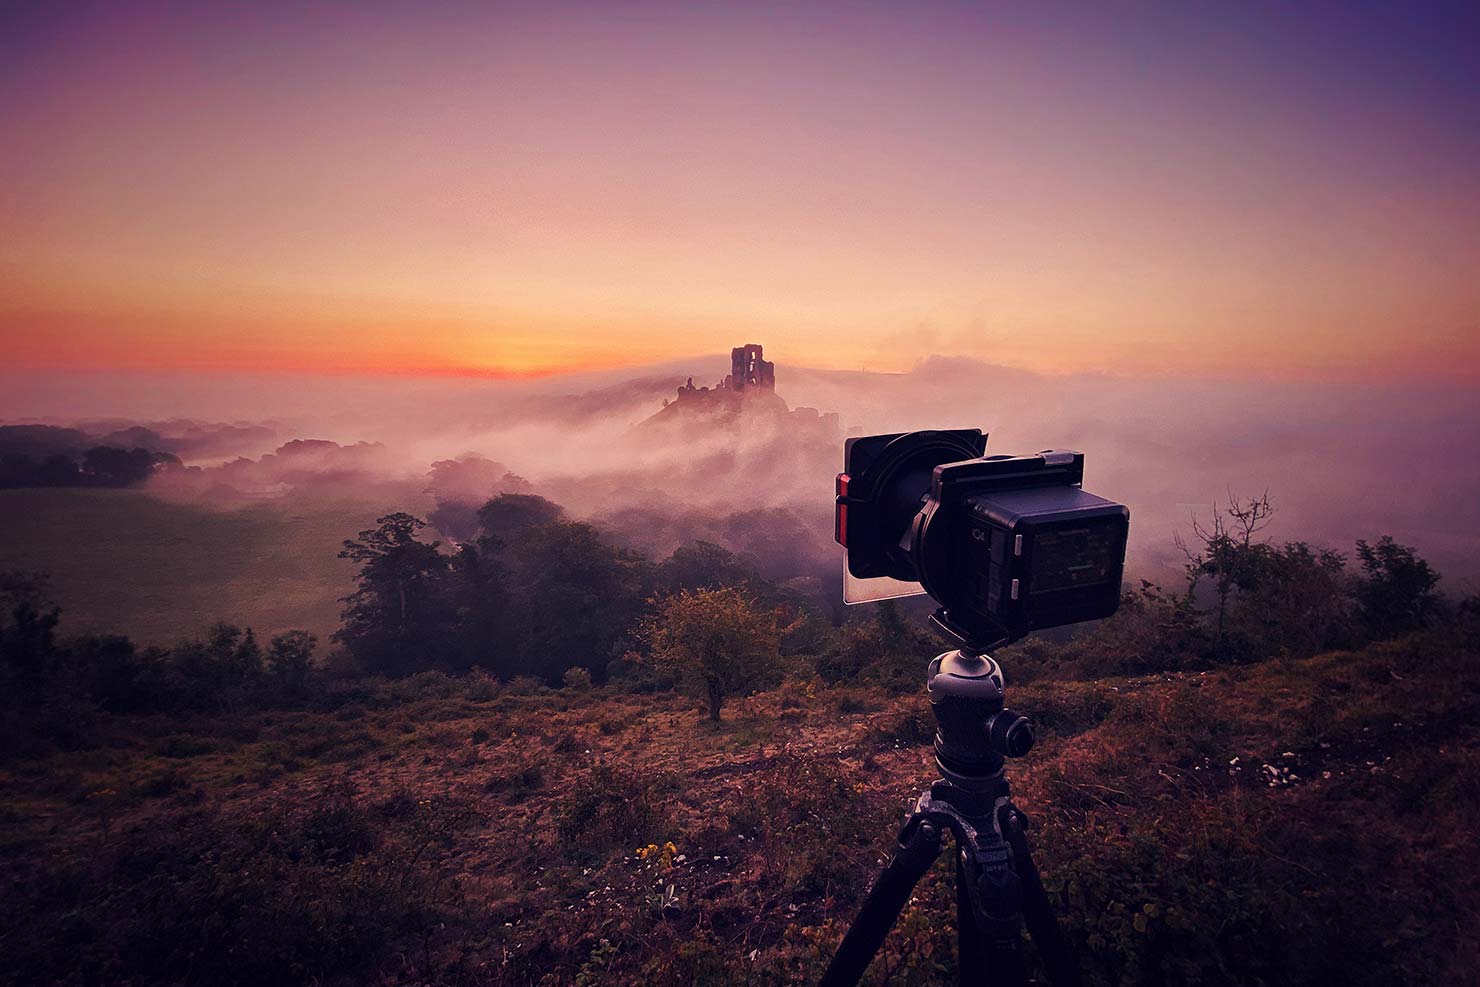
[525, 685]
[909, 728]
[819, 845]
[290, 658]
[577, 679]
[426, 685]
[257, 900]
[608, 808]
[184, 745]
[1153, 631]
[886, 648]
[480, 686]
[1396, 592]
[518, 783]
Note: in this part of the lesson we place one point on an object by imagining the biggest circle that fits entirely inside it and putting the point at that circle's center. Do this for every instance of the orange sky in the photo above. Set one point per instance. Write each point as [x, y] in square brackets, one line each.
[1272, 194]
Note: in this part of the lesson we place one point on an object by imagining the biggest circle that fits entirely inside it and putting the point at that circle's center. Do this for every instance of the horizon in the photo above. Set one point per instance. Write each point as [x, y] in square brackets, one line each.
[47, 395]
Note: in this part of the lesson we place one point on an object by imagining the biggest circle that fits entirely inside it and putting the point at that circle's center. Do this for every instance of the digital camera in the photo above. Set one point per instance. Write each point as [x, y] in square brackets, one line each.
[1005, 544]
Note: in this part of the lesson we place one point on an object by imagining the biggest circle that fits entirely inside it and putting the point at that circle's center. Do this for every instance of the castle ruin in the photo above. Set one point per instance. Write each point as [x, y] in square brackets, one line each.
[748, 389]
[748, 370]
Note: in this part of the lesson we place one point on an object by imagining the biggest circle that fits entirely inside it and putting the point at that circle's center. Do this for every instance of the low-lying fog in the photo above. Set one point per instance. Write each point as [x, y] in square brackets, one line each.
[1339, 461]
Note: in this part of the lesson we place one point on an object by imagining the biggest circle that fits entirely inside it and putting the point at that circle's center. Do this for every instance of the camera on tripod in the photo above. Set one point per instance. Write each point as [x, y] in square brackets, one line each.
[1005, 544]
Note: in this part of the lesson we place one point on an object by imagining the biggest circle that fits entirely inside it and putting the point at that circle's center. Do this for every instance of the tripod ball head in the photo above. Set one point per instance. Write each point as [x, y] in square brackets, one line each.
[974, 731]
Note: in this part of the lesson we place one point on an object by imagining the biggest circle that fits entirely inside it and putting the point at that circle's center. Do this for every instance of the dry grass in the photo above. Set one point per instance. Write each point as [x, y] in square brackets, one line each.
[413, 833]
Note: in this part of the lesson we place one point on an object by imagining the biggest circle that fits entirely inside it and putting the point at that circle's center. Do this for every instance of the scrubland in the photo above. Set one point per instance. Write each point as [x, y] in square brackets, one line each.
[1307, 821]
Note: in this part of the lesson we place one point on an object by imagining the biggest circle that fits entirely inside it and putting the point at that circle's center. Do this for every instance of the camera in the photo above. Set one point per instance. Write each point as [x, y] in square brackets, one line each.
[1005, 544]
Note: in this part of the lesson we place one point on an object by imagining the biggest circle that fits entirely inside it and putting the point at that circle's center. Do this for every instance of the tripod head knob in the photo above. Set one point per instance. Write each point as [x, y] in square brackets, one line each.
[1011, 734]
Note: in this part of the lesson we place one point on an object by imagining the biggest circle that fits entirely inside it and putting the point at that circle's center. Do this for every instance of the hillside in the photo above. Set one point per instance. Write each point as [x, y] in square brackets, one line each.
[1299, 822]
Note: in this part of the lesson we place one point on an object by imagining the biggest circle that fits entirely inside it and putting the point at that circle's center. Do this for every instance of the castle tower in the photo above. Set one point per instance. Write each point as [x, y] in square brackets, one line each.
[748, 368]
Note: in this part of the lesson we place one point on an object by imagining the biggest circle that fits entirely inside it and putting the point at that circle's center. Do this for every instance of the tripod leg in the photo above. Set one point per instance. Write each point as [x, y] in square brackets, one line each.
[970, 962]
[994, 924]
[1063, 968]
[919, 845]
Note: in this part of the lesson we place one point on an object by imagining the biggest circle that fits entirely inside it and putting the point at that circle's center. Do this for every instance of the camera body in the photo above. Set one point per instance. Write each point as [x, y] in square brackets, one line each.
[1005, 544]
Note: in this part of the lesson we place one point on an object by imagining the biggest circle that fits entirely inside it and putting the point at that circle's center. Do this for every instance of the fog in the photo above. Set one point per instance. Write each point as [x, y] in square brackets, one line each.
[1339, 461]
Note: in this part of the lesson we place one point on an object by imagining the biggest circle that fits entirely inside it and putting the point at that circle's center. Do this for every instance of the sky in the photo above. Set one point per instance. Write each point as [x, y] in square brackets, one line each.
[1265, 191]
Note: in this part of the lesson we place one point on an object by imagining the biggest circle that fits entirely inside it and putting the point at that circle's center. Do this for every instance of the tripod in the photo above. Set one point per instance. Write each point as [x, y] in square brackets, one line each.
[998, 889]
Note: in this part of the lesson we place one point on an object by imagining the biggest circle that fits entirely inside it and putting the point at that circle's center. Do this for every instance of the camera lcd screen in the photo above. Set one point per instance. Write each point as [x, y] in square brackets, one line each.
[1073, 555]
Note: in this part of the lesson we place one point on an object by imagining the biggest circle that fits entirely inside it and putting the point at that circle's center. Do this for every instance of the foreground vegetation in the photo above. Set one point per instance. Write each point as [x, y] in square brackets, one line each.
[1271, 775]
[1289, 821]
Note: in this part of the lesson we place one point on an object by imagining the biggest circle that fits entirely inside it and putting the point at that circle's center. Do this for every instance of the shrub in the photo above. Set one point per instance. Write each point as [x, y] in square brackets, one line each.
[821, 844]
[480, 686]
[1396, 592]
[290, 657]
[426, 685]
[525, 685]
[186, 745]
[886, 648]
[253, 900]
[519, 782]
[608, 807]
[1067, 708]
[336, 830]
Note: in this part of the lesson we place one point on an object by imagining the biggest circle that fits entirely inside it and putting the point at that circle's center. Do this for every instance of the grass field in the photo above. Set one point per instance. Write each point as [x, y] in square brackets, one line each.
[1298, 822]
[126, 562]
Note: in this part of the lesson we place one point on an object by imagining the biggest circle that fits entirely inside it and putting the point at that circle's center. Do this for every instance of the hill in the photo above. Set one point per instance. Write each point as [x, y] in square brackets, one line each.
[1296, 822]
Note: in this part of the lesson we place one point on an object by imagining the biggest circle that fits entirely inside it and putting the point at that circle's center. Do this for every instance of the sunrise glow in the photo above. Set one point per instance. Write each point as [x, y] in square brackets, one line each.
[507, 192]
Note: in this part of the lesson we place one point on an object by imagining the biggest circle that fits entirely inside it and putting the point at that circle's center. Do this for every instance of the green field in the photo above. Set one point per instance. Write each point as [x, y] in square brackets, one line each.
[126, 562]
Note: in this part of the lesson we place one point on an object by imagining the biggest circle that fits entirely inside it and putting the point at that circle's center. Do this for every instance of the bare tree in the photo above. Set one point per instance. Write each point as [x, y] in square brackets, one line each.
[1223, 549]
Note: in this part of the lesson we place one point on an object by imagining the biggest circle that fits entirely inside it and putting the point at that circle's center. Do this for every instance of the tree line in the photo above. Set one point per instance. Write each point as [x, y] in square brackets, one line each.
[100, 466]
[1246, 598]
[536, 594]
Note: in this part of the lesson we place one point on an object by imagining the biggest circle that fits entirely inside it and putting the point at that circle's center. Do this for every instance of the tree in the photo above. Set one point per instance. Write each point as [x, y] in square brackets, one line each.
[505, 517]
[400, 618]
[575, 595]
[1395, 594]
[290, 658]
[487, 631]
[1298, 599]
[717, 640]
[1225, 551]
[217, 669]
[705, 565]
[460, 485]
[107, 466]
[120, 677]
[28, 622]
[58, 470]
[884, 644]
[491, 628]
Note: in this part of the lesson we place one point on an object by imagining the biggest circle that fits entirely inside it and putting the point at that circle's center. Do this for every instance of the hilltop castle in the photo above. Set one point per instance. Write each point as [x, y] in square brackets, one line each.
[749, 370]
[749, 389]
